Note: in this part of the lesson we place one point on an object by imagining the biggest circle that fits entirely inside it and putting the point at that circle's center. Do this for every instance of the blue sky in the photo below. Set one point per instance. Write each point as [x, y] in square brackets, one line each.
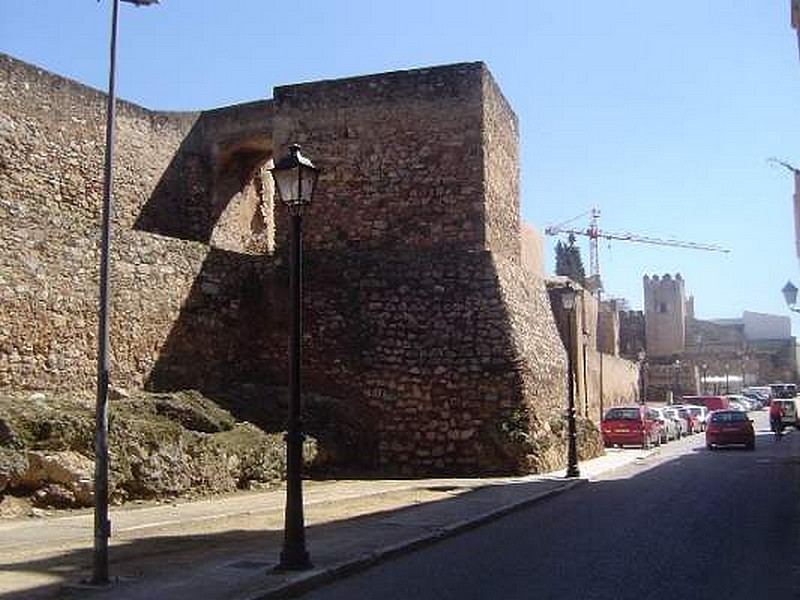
[660, 114]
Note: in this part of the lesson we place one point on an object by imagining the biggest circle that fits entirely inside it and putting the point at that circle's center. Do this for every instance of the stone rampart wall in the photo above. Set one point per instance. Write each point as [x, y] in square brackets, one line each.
[52, 147]
[418, 308]
[620, 383]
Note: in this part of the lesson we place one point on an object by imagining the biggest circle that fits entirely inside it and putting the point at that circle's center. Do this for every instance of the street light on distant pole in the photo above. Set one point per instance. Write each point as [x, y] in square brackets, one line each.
[790, 296]
[568, 294]
[676, 379]
[102, 525]
[727, 378]
[704, 379]
[295, 178]
[642, 362]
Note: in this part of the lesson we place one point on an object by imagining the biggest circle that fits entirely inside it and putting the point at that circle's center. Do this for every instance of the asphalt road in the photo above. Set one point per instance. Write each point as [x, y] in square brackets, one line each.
[686, 523]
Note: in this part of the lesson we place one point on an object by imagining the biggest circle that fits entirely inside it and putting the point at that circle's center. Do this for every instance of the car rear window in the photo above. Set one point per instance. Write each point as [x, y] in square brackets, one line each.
[728, 417]
[623, 414]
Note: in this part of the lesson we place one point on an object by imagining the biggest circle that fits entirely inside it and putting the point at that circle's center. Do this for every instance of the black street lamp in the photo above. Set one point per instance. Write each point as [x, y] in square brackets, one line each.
[295, 179]
[585, 358]
[102, 524]
[745, 358]
[727, 378]
[704, 379]
[642, 361]
[790, 295]
[568, 294]
[676, 388]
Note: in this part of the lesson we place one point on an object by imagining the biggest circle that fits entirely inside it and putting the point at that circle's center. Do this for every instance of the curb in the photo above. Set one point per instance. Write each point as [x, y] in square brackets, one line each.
[311, 581]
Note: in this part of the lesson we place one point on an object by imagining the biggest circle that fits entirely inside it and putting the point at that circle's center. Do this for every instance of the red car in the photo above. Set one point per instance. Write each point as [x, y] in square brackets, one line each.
[692, 420]
[728, 428]
[710, 402]
[631, 426]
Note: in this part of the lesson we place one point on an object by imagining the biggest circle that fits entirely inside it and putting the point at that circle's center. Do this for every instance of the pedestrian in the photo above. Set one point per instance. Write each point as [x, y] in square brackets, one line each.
[776, 417]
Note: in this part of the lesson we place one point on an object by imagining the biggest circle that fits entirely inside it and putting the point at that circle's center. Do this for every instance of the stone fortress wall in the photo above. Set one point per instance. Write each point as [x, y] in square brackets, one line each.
[419, 307]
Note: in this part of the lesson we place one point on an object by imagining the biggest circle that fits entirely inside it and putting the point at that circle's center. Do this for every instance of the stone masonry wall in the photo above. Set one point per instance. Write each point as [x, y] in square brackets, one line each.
[418, 309]
[51, 148]
[453, 338]
[402, 156]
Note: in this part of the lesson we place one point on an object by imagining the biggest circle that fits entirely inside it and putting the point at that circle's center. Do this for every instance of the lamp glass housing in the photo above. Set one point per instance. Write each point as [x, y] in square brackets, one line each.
[790, 293]
[295, 178]
[568, 298]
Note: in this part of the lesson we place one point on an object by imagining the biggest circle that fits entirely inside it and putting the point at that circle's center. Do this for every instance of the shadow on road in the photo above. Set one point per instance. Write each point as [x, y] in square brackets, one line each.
[716, 479]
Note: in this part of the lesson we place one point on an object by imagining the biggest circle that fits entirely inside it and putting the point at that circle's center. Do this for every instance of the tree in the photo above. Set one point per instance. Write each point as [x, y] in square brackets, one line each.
[569, 262]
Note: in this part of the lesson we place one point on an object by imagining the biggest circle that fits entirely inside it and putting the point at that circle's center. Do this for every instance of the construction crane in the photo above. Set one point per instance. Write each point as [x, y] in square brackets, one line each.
[594, 233]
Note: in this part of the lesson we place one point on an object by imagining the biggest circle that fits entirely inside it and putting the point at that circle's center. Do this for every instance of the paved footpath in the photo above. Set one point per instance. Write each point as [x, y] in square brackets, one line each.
[227, 547]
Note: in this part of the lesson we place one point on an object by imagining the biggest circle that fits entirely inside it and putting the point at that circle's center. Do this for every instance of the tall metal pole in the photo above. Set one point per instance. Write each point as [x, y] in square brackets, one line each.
[585, 375]
[102, 525]
[572, 434]
[600, 355]
[294, 555]
[727, 379]
[641, 381]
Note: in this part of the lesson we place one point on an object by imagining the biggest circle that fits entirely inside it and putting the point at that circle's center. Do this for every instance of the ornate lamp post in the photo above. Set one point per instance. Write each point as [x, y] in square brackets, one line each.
[704, 378]
[745, 358]
[790, 295]
[642, 360]
[568, 302]
[727, 378]
[585, 338]
[295, 179]
[102, 524]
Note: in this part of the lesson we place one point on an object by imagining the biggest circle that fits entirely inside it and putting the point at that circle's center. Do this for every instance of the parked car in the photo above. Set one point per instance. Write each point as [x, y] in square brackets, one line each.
[701, 412]
[630, 426]
[710, 402]
[728, 428]
[791, 414]
[692, 421]
[734, 404]
[748, 403]
[759, 398]
[669, 430]
[783, 390]
[681, 428]
[763, 391]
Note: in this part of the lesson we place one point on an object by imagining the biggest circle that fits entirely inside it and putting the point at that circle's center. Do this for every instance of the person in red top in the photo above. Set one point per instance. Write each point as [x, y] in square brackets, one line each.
[776, 417]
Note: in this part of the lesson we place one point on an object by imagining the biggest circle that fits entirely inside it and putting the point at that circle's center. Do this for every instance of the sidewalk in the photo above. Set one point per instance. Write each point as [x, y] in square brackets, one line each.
[227, 547]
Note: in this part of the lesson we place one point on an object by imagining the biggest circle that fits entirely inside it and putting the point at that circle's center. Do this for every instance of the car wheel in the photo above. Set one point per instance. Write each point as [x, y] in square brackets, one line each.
[751, 446]
[709, 446]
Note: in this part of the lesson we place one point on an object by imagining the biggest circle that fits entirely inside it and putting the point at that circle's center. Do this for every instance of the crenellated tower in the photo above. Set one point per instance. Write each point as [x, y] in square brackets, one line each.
[665, 315]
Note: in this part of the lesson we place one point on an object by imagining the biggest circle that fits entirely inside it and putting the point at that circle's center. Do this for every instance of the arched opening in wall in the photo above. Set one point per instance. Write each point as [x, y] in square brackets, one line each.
[242, 201]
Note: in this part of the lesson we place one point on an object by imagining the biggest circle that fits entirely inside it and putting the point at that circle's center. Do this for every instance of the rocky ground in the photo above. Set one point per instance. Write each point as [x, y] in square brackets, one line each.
[186, 444]
[160, 446]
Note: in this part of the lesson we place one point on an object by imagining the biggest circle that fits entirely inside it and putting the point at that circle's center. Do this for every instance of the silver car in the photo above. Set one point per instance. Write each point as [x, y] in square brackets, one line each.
[678, 422]
[669, 429]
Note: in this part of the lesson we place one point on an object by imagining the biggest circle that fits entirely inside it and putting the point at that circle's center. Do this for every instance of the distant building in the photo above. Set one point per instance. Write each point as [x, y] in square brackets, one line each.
[689, 355]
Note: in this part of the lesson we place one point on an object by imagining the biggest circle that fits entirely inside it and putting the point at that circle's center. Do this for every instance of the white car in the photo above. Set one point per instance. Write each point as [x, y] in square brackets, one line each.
[678, 422]
[737, 405]
[743, 400]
